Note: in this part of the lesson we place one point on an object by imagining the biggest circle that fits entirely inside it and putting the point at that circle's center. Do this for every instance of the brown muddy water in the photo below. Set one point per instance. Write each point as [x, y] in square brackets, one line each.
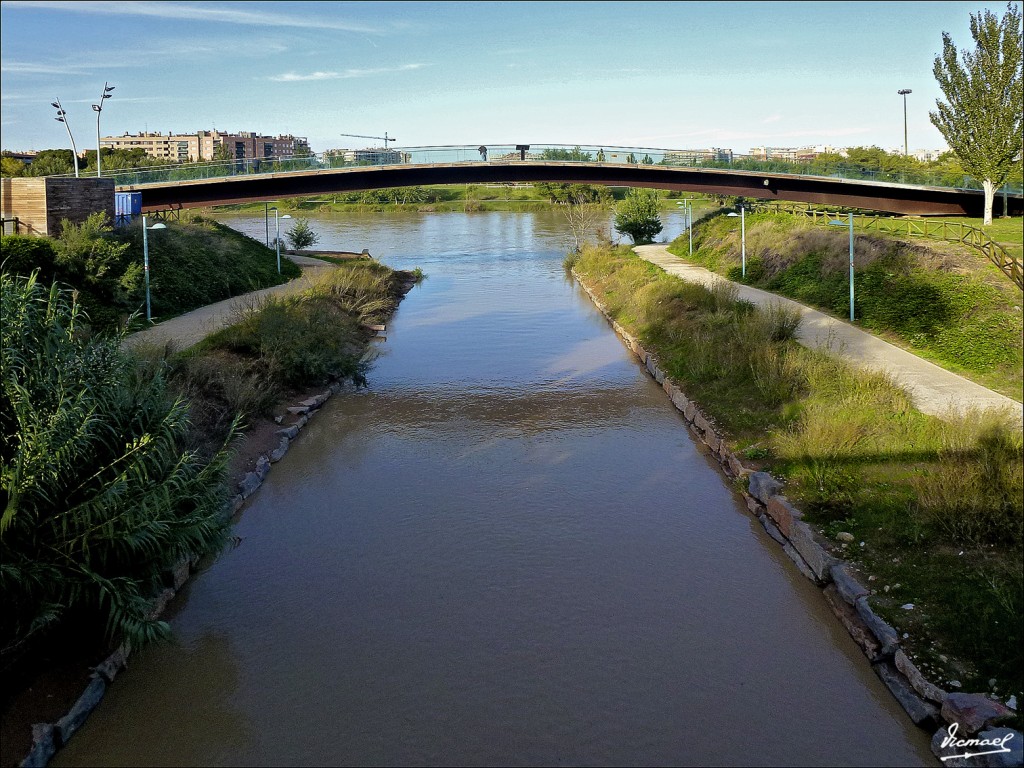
[506, 551]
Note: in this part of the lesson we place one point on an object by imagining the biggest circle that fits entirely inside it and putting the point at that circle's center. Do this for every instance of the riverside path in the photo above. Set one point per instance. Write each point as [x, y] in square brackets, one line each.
[934, 390]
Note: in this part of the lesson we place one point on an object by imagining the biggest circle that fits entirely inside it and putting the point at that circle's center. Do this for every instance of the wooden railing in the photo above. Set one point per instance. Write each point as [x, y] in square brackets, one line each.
[950, 231]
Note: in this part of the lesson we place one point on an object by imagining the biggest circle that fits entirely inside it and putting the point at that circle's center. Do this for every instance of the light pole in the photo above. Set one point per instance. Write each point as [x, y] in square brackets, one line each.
[62, 117]
[903, 92]
[840, 223]
[277, 241]
[743, 240]
[145, 260]
[98, 109]
[689, 223]
[266, 221]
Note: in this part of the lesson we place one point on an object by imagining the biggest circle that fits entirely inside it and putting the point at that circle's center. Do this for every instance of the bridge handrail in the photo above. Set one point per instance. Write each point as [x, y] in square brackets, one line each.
[675, 158]
[950, 231]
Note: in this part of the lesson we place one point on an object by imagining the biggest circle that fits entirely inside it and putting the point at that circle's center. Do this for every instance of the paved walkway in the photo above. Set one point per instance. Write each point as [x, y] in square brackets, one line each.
[192, 327]
[934, 390]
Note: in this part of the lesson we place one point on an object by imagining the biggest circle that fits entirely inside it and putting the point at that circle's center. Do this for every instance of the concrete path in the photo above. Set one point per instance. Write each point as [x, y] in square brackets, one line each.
[934, 390]
[192, 327]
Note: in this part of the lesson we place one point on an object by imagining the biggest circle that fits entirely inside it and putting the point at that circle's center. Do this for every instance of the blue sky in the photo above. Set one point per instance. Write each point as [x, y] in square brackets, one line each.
[673, 75]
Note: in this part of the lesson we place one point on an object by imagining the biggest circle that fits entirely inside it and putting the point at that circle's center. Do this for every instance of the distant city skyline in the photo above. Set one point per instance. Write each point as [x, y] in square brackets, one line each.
[673, 75]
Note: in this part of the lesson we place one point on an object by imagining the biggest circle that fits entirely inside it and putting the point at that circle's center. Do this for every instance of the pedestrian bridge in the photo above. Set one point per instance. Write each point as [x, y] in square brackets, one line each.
[241, 181]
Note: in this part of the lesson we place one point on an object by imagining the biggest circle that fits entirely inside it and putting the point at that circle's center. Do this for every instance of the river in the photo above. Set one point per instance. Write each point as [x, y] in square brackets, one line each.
[507, 551]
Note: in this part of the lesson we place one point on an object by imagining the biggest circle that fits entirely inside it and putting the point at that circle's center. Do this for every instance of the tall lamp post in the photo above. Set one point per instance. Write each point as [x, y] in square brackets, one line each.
[688, 215]
[277, 241]
[841, 223]
[743, 240]
[62, 117]
[145, 260]
[98, 109]
[903, 92]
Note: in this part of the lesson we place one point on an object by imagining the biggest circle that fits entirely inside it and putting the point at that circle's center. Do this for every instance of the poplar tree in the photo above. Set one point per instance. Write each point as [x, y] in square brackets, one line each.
[981, 117]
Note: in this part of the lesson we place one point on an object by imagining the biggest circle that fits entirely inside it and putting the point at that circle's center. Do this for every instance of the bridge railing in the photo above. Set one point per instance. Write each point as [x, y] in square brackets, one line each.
[512, 153]
[950, 231]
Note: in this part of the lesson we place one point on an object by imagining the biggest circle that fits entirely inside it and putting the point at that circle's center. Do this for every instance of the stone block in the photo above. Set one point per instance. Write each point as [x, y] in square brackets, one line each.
[805, 569]
[855, 626]
[249, 484]
[640, 352]
[921, 712]
[812, 549]
[712, 441]
[755, 507]
[297, 410]
[289, 432]
[772, 530]
[44, 745]
[262, 467]
[680, 401]
[282, 448]
[690, 411]
[113, 664]
[849, 588]
[763, 486]
[669, 387]
[701, 423]
[160, 603]
[1003, 738]
[91, 696]
[917, 680]
[973, 711]
[885, 634]
[180, 574]
[736, 466]
[782, 512]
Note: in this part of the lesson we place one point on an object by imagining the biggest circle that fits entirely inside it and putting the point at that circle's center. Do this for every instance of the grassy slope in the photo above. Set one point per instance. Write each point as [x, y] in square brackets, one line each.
[943, 301]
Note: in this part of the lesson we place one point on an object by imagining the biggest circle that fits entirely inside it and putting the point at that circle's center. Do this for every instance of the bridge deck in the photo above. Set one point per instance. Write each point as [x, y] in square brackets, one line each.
[870, 195]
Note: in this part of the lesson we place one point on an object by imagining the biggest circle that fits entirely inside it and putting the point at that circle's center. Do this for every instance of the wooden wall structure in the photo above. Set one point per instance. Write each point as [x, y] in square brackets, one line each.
[39, 204]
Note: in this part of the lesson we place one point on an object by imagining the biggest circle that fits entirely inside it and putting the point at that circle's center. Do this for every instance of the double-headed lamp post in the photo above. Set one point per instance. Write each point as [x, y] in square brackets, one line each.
[277, 241]
[903, 92]
[145, 260]
[688, 215]
[98, 109]
[62, 117]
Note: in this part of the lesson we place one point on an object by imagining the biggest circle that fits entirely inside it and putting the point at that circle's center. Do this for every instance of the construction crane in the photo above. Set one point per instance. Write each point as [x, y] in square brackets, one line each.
[383, 138]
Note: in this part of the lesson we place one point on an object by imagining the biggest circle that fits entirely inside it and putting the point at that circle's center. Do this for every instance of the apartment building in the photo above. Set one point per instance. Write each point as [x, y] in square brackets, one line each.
[697, 156]
[204, 145]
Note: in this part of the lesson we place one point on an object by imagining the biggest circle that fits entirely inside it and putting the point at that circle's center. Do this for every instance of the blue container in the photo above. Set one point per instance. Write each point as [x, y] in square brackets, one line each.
[127, 205]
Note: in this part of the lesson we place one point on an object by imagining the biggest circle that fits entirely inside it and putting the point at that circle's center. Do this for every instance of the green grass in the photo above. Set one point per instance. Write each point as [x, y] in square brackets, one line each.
[856, 457]
[944, 302]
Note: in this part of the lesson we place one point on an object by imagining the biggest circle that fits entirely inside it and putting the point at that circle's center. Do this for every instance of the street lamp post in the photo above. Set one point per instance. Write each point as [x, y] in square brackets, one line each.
[903, 92]
[689, 223]
[145, 260]
[277, 242]
[62, 117]
[743, 240]
[840, 223]
[98, 109]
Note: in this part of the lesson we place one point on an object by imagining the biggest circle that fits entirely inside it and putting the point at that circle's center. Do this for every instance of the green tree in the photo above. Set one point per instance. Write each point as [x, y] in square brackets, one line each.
[982, 117]
[10, 166]
[100, 494]
[50, 162]
[637, 215]
[301, 235]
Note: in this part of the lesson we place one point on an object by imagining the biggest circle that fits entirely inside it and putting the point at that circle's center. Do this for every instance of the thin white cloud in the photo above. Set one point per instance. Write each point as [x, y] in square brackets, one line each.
[169, 49]
[35, 68]
[345, 74]
[771, 119]
[185, 12]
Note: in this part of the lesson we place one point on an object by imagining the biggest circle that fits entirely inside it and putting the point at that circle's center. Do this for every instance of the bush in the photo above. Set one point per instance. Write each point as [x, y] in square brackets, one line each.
[301, 235]
[637, 215]
[100, 495]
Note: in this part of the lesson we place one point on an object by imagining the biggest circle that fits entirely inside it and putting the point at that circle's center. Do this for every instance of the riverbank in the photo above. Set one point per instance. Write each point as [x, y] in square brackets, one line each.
[891, 490]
